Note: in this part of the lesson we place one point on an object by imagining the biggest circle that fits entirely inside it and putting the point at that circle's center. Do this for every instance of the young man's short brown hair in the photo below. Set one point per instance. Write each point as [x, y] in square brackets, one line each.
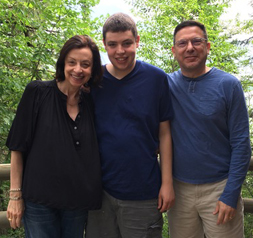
[119, 22]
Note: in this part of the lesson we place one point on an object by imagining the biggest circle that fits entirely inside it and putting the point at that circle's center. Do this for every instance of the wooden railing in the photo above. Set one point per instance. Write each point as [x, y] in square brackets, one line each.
[5, 175]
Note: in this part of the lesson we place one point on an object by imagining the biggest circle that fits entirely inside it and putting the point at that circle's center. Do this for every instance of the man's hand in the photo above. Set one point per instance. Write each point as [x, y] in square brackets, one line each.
[166, 198]
[225, 213]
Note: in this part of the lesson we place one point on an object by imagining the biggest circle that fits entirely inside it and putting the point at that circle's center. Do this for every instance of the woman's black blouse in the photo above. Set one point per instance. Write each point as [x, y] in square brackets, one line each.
[61, 157]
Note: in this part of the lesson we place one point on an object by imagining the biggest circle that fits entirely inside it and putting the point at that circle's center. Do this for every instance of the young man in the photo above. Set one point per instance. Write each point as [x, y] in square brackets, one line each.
[210, 132]
[132, 111]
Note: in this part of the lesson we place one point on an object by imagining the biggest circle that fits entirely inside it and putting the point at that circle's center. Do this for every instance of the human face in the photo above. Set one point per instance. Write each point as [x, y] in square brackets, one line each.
[121, 49]
[191, 58]
[78, 67]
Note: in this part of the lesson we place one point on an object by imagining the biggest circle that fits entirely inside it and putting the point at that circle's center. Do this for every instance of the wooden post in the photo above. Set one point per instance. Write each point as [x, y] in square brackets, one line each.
[4, 223]
[251, 164]
[248, 205]
[5, 171]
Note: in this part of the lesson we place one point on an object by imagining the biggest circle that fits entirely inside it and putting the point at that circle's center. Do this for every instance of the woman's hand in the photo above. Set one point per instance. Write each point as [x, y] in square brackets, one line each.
[15, 212]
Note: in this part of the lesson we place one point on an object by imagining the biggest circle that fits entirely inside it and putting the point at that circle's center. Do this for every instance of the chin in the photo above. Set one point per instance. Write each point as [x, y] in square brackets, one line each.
[192, 66]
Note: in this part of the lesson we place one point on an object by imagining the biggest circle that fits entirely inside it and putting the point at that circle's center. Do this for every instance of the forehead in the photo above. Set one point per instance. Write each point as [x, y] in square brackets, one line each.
[83, 53]
[119, 36]
[189, 32]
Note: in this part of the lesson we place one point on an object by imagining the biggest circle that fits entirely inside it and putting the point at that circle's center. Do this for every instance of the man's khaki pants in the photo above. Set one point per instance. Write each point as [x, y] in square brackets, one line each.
[192, 216]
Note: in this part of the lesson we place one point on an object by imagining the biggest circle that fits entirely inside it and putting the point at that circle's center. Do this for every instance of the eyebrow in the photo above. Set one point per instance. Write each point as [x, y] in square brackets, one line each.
[112, 41]
[86, 60]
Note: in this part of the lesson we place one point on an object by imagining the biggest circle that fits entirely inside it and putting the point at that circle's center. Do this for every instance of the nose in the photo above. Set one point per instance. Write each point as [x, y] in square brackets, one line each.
[78, 68]
[189, 46]
[120, 49]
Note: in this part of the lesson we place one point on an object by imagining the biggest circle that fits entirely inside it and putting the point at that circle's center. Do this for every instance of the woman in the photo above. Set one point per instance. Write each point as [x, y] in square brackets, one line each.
[55, 167]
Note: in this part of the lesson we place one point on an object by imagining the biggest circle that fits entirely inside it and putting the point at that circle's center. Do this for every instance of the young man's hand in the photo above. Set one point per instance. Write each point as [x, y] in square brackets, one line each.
[166, 198]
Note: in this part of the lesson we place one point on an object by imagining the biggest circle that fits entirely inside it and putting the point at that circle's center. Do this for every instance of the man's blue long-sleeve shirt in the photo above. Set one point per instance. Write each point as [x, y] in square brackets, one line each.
[210, 131]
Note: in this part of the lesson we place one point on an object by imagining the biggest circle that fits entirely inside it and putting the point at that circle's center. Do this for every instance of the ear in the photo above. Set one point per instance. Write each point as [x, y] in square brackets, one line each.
[137, 41]
[173, 52]
[208, 47]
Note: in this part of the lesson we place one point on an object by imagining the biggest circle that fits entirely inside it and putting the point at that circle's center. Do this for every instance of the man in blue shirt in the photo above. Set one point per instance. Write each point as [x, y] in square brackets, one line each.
[132, 113]
[210, 133]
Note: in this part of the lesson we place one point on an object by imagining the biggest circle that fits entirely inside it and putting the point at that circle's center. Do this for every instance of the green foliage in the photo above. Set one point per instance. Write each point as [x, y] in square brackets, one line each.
[165, 233]
[248, 225]
[19, 233]
[246, 28]
[159, 18]
[247, 192]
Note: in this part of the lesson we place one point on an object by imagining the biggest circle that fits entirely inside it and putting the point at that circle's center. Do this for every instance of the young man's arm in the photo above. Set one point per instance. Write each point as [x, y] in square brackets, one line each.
[166, 196]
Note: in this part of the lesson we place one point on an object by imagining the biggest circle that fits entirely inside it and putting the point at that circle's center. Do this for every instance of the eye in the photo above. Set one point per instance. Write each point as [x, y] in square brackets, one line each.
[85, 65]
[197, 41]
[181, 43]
[127, 44]
[110, 44]
[71, 62]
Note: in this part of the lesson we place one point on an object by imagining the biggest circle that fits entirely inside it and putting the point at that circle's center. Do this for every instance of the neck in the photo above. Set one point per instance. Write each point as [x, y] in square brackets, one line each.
[117, 73]
[71, 92]
[195, 73]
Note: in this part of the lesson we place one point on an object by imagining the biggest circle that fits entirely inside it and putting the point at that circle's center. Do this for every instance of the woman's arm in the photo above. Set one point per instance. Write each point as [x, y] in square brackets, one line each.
[15, 208]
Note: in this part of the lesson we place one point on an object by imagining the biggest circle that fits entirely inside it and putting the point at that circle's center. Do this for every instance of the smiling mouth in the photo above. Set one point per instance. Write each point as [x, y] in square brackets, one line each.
[77, 77]
[121, 59]
[191, 58]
